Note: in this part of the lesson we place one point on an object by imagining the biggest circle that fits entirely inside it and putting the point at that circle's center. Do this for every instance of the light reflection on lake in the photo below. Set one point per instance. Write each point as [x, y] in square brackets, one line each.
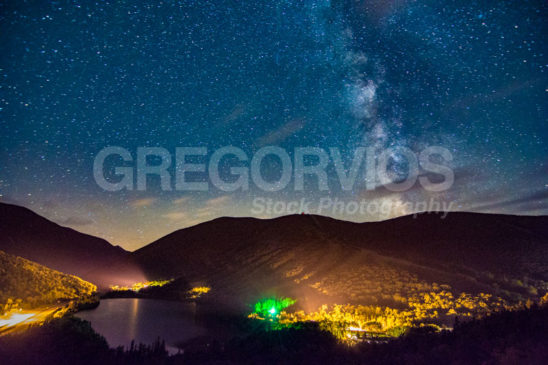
[144, 320]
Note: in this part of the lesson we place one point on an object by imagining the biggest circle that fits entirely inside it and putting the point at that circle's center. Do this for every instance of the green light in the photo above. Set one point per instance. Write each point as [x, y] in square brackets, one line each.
[272, 307]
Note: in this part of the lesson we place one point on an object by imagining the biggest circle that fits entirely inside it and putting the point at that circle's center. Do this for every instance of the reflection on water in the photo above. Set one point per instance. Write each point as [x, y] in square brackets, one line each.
[144, 320]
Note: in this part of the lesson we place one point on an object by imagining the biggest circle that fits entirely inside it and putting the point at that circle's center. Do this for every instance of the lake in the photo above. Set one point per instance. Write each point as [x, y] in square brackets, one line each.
[144, 320]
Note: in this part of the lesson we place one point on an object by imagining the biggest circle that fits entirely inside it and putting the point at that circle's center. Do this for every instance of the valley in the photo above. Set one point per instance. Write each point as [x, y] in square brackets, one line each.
[357, 282]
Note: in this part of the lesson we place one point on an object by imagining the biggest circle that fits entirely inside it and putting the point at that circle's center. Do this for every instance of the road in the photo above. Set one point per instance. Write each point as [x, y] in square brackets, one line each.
[21, 320]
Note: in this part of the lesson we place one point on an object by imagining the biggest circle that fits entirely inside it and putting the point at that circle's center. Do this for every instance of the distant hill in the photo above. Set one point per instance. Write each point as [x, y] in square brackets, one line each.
[322, 260]
[36, 285]
[26, 234]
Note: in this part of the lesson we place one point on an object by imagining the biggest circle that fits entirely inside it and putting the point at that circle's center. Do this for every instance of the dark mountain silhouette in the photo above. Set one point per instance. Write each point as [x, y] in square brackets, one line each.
[26, 234]
[322, 260]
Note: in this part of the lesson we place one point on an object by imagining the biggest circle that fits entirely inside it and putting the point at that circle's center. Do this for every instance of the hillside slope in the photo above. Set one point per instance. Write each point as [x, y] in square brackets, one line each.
[26, 234]
[322, 260]
[36, 285]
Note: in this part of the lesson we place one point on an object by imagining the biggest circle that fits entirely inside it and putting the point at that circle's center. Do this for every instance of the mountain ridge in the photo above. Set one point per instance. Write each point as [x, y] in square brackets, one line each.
[307, 253]
[29, 235]
[314, 258]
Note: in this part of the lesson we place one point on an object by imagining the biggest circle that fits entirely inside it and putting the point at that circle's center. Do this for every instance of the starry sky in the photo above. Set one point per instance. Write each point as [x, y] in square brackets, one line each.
[78, 76]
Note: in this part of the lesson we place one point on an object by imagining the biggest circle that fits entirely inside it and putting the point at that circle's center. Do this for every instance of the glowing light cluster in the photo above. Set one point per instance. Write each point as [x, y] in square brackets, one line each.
[365, 322]
[13, 319]
[198, 291]
[271, 307]
[136, 287]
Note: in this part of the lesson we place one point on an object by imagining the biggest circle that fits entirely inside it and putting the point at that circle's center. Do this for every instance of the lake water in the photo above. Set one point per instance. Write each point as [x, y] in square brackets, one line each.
[144, 320]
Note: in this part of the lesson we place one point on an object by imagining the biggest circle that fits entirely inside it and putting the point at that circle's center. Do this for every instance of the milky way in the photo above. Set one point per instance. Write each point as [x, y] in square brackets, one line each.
[79, 76]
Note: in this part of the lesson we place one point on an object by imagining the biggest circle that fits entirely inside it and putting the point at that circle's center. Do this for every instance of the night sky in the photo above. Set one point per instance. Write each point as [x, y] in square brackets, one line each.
[80, 76]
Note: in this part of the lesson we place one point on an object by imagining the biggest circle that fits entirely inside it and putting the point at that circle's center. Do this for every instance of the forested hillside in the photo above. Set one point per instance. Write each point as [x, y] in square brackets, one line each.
[319, 260]
[30, 285]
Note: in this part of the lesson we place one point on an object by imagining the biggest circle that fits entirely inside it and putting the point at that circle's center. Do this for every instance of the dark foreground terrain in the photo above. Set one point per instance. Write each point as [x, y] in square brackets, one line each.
[519, 337]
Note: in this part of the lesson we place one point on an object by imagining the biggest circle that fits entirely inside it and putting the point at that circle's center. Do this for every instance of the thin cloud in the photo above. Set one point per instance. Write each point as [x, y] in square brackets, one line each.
[280, 134]
[213, 206]
[181, 200]
[175, 216]
[536, 199]
[145, 202]
[76, 221]
[219, 201]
